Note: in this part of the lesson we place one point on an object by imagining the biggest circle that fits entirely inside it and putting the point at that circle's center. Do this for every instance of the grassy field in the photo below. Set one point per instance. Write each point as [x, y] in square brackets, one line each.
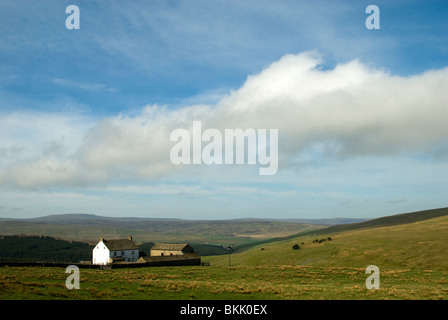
[411, 257]
[216, 283]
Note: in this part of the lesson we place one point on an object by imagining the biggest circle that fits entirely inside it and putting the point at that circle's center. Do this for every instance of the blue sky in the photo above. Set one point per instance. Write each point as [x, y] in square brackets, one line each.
[85, 114]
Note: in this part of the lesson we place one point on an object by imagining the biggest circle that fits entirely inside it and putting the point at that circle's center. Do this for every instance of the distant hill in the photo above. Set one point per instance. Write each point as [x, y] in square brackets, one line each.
[91, 219]
[324, 222]
[416, 240]
[89, 227]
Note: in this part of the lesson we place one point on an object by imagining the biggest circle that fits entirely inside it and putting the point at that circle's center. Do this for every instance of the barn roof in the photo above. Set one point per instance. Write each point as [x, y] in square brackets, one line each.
[120, 244]
[170, 246]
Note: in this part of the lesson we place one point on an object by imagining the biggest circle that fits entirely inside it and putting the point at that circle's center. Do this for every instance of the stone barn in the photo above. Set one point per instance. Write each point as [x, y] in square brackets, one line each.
[166, 249]
[164, 254]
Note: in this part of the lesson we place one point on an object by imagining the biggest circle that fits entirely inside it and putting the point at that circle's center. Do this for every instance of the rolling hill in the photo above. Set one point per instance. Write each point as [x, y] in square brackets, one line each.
[88, 228]
[415, 240]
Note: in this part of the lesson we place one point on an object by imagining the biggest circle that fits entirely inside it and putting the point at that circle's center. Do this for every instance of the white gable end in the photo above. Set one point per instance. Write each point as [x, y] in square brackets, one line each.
[100, 254]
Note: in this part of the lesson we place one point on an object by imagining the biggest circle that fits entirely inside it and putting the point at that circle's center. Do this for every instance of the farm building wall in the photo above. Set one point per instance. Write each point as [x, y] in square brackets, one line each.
[158, 253]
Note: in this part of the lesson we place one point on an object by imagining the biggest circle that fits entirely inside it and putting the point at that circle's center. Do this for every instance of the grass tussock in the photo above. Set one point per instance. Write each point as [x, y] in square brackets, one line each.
[239, 282]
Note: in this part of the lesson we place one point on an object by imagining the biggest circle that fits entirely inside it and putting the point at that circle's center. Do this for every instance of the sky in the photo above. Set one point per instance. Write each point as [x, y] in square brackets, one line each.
[86, 114]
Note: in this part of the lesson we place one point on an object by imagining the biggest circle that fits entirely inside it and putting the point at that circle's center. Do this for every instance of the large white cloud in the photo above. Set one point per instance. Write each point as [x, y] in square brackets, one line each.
[354, 108]
[351, 110]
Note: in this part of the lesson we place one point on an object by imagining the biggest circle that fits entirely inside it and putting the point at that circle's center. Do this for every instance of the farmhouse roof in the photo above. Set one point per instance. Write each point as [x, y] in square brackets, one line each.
[120, 244]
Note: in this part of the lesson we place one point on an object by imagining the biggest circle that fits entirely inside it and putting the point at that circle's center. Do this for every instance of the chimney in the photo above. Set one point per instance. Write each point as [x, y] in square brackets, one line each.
[130, 238]
[101, 239]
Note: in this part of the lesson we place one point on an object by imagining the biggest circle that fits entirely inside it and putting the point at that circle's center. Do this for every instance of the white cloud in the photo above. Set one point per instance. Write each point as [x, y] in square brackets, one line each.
[351, 110]
[355, 109]
[38, 149]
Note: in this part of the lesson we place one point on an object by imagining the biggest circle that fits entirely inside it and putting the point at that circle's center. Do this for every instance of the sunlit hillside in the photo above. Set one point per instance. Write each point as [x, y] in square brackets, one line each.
[417, 245]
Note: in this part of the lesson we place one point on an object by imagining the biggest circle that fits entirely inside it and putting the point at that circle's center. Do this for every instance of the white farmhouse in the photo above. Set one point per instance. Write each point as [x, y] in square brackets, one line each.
[109, 251]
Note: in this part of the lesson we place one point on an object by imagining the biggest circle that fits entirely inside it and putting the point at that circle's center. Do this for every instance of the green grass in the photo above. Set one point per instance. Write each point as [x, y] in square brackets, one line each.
[216, 283]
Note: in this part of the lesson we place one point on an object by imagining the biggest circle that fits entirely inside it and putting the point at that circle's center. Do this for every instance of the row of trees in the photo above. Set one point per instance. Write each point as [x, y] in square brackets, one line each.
[43, 248]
